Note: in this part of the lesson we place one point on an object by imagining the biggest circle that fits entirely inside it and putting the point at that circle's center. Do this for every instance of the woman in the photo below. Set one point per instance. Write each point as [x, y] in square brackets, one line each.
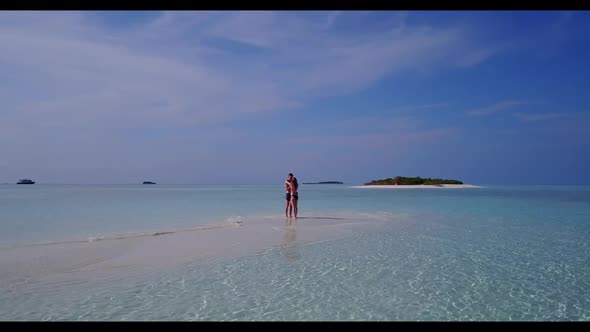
[294, 195]
[288, 195]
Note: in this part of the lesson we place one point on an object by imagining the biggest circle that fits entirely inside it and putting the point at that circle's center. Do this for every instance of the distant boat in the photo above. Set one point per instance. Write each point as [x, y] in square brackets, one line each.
[148, 182]
[25, 181]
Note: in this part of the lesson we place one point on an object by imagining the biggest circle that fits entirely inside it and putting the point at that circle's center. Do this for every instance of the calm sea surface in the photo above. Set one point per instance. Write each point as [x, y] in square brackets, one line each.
[491, 253]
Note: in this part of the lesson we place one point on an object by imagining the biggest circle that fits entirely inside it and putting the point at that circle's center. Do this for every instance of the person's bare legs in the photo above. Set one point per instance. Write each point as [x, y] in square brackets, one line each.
[291, 207]
[287, 208]
[294, 205]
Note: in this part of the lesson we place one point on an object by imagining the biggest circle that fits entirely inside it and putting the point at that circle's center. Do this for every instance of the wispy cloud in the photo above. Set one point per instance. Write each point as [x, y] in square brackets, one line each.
[401, 118]
[423, 107]
[529, 117]
[578, 117]
[375, 123]
[500, 107]
[67, 69]
[383, 140]
[76, 80]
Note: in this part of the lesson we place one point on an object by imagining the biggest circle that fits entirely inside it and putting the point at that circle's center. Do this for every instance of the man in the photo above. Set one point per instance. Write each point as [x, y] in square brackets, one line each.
[288, 194]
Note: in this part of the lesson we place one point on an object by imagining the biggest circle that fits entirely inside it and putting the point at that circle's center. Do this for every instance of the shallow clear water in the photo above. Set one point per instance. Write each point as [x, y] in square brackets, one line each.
[494, 253]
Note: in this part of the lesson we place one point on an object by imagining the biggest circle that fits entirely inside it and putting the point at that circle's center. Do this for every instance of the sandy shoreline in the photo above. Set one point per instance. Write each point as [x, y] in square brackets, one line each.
[456, 186]
[121, 257]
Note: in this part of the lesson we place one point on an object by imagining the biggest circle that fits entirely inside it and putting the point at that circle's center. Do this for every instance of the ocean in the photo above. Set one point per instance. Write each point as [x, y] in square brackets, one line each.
[223, 253]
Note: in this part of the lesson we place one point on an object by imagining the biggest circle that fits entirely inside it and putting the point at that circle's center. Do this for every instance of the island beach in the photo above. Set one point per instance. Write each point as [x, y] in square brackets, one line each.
[416, 182]
[420, 186]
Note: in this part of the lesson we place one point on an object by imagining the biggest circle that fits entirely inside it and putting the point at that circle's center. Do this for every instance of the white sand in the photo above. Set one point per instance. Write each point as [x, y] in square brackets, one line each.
[121, 258]
[457, 186]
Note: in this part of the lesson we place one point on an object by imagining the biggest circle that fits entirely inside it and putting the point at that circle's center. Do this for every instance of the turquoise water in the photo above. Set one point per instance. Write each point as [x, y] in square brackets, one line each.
[493, 253]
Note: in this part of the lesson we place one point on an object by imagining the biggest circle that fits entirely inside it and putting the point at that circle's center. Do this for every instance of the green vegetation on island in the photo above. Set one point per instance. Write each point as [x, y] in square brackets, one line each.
[402, 180]
[324, 182]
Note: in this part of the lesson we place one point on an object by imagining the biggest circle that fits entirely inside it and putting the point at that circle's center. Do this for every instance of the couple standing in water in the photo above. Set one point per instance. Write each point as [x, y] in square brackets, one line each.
[292, 196]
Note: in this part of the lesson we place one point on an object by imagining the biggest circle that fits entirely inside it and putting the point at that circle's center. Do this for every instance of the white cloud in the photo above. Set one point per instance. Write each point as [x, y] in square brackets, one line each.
[65, 68]
[68, 79]
[499, 107]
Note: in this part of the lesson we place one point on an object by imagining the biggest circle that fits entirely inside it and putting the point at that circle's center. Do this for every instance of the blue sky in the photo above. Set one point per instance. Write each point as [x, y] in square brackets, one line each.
[247, 97]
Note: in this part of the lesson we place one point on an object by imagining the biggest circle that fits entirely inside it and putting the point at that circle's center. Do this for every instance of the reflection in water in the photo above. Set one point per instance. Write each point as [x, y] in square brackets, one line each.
[289, 244]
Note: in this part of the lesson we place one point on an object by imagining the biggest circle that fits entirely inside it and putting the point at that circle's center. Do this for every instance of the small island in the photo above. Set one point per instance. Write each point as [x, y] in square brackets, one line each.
[25, 181]
[402, 182]
[324, 182]
[409, 181]
[148, 182]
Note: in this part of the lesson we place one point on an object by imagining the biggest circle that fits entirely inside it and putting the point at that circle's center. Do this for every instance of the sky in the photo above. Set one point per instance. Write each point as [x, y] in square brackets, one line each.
[245, 97]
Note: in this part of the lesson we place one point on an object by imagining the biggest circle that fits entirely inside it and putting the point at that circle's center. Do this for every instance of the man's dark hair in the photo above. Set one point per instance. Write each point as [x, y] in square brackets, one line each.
[290, 174]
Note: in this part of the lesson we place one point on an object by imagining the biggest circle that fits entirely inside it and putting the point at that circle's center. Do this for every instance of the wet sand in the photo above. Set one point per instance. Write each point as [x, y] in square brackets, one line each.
[122, 257]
